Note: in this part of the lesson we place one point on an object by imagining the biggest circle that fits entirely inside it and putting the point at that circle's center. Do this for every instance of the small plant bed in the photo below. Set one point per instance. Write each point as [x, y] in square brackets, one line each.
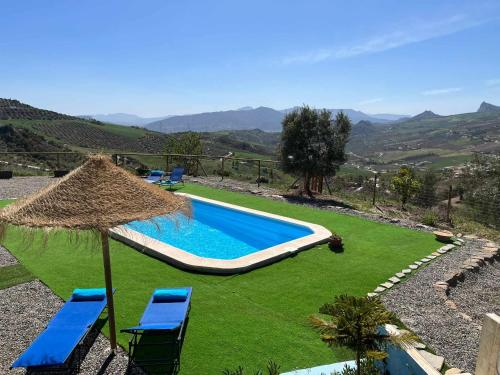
[241, 320]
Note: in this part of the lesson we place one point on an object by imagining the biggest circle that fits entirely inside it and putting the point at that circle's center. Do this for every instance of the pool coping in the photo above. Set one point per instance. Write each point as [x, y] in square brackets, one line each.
[186, 260]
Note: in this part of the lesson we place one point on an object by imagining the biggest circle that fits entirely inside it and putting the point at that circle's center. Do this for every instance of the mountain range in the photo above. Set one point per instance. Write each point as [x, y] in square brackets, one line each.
[263, 118]
[123, 119]
[244, 118]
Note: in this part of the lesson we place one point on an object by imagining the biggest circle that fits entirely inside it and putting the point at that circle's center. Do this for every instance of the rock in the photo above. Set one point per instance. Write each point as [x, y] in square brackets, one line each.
[395, 221]
[400, 274]
[459, 235]
[394, 280]
[425, 260]
[436, 254]
[422, 226]
[387, 285]
[442, 251]
[431, 257]
[470, 237]
[418, 263]
[435, 361]
[450, 304]
[457, 243]
[372, 294]
[419, 345]
[460, 240]
[405, 271]
[379, 289]
[413, 266]
[443, 235]
[448, 247]
[453, 371]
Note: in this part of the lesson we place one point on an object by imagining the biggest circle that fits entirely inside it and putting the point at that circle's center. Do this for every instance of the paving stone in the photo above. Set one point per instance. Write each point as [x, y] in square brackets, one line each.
[400, 274]
[425, 260]
[413, 266]
[470, 237]
[457, 243]
[419, 345]
[418, 263]
[394, 280]
[387, 285]
[435, 361]
[379, 289]
[407, 270]
[453, 371]
[442, 251]
[448, 247]
[372, 294]
[431, 257]
[436, 254]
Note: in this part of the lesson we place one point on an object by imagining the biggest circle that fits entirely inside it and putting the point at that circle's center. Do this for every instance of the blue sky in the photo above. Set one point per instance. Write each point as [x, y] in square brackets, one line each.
[172, 57]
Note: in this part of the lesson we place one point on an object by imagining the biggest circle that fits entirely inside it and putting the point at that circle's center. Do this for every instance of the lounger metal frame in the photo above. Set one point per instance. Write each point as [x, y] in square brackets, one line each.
[177, 342]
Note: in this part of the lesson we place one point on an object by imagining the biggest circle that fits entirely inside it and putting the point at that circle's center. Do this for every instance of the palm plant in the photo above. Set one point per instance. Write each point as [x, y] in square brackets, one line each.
[355, 322]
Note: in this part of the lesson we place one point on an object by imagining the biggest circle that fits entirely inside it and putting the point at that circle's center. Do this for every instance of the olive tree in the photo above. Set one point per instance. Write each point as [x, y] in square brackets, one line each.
[313, 144]
[406, 184]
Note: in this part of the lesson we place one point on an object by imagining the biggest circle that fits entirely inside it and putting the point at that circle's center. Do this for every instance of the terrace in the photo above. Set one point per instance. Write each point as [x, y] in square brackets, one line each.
[243, 319]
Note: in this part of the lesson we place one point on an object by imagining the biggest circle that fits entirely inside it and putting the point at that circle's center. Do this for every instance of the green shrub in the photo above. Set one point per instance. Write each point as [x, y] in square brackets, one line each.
[271, 369]
[430, 218]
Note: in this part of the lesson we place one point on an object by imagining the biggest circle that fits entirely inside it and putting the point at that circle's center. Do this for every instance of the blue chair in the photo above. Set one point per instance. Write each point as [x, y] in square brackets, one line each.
[174, 178]
[157, 340]
[65, 332]
[154, 176]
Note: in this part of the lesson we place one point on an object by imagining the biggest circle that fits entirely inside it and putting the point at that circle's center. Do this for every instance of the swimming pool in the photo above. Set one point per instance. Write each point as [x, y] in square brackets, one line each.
[221, 237]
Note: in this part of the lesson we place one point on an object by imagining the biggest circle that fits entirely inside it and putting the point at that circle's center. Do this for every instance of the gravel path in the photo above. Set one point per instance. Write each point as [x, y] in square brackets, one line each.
[6, 258]
[446, 331]
[26, 309]
[18, 187]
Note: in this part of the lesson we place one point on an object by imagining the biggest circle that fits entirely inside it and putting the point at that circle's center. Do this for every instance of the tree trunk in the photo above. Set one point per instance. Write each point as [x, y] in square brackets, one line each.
[358, 363]
[307, 185]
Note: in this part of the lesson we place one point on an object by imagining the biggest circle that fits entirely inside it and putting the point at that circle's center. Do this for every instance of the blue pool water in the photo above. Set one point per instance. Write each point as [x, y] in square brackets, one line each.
[219, 232]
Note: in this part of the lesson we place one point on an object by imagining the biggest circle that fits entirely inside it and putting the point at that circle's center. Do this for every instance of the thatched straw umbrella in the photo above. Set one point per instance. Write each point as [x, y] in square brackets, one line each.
[96, 196]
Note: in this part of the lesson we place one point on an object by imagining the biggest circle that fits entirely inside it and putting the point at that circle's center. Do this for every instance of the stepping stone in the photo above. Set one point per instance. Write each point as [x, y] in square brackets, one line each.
[379, 289]
[406, 270]
[436, 254]
[387, 285]
[460, 240]
[457, 243]
[470, 237]
[372, 294]
[448, 247]
[413, 266]
[425, 260]
[453, 371]
[441, 251]
[394, 280]
[418, 263]
[435, 361]
[431, 257]
[400, 274]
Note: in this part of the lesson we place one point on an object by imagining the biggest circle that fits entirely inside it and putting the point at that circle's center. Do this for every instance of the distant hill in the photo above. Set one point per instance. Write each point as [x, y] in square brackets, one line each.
[245, 118]
[123, 119]
[487, 107]
[11, 109]
[262, 118]
[425, 116]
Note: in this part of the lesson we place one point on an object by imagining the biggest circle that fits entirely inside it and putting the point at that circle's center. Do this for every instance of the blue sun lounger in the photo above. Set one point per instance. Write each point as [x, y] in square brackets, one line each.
[154, 177]
[174, 178]
[67, 329]
[162, 325]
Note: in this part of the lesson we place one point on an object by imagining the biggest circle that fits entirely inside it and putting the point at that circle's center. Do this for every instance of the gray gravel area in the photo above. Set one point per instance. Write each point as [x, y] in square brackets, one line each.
[447, 331]
[26, 309]
[18, 187]
[6, 258]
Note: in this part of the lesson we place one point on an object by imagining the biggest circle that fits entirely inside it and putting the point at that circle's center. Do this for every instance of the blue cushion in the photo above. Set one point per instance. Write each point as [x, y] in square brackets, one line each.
[156, 172]
[96, 294]
[170, 295]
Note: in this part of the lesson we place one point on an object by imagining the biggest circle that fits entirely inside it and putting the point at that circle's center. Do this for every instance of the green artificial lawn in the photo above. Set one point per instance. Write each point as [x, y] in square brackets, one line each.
[244, 319]
[13, 275]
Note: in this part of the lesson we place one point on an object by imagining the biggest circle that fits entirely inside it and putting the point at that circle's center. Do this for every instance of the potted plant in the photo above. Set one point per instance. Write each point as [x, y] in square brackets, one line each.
[335, 242]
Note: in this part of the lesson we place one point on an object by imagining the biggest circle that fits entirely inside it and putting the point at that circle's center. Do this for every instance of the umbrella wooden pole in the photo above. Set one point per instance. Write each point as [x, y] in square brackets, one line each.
[109, 289]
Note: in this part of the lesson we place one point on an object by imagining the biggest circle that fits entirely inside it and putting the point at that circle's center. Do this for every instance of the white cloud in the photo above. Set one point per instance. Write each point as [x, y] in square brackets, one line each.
[492, 82]
[445, 91]
[370, 101]
[415, 33]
